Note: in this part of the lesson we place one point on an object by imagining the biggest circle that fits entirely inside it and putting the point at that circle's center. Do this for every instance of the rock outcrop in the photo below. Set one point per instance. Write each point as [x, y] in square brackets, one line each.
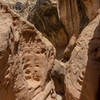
[26, 60]
[75, 15]
[83, 72]
[44, 16]
[61, 27]
[29, 69]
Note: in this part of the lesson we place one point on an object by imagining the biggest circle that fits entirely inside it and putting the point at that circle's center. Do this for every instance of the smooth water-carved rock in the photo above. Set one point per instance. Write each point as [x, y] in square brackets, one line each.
[75, 15]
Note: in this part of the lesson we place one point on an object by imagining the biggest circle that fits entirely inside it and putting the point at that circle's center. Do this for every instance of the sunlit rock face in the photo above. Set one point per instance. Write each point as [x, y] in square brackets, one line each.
[83, 72]
[29, 69]
[44, 15]
[26, 59]
[63, 26]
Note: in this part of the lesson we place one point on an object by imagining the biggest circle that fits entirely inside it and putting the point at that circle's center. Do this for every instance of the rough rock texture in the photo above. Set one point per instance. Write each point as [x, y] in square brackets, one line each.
[28, 68]
[26, 60]
[22, 7]
[75, 15]
[44, 16]
[83, 72]
[58, 76]
[77, 11]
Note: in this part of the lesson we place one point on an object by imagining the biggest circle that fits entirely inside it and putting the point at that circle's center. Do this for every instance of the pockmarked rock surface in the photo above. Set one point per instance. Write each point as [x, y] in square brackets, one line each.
[83, 72]
[44, 15]
[63, 26]
[28, 67]
[26, 59]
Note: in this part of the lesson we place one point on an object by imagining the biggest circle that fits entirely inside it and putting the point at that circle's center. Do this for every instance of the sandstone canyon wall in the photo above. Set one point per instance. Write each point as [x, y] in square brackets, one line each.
[83, 74]
[29, 66]
[75, 15]
[26, 59]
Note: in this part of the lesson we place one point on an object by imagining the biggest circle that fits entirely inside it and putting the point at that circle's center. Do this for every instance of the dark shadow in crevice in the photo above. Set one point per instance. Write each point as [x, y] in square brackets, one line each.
[84, 20]
[98, 92]
[58, 76]
[45, 18]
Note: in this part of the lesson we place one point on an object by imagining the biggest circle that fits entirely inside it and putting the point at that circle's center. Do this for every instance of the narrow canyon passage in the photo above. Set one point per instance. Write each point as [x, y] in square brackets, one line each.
[50, 50]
